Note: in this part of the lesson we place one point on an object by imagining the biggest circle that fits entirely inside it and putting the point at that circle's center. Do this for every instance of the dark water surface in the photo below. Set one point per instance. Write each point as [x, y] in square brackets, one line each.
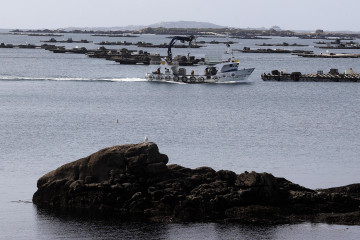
[56, 108]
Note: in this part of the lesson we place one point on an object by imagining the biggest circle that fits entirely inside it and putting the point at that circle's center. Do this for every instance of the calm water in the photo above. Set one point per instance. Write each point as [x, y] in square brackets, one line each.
[56, 108]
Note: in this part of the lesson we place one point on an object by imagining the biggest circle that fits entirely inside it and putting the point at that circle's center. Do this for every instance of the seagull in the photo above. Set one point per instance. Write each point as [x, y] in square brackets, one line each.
[146, 139]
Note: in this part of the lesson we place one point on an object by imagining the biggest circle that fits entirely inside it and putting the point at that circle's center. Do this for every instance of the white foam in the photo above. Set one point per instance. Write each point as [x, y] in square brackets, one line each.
[21, 78]
[124, 79]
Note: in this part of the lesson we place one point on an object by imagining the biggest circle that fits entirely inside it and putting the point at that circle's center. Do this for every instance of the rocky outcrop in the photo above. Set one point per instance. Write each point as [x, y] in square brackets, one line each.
[134, 182]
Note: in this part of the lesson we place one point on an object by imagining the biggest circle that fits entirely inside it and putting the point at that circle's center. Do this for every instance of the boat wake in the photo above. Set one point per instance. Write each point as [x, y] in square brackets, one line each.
[21, 201]
[20, 78]
[72, 79]
[124, 79]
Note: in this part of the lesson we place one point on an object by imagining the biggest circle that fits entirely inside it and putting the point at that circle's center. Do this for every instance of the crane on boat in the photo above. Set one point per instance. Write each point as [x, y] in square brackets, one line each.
[173, 41]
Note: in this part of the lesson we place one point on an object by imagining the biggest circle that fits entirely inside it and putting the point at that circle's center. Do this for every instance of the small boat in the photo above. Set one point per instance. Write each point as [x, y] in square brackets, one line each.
[223, 72]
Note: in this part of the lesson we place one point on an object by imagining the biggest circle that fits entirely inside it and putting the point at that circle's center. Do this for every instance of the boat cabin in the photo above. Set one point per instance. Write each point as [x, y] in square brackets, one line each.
[230, 67]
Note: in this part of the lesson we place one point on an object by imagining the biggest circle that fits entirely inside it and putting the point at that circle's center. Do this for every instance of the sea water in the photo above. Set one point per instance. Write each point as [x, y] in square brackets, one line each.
[56, 108]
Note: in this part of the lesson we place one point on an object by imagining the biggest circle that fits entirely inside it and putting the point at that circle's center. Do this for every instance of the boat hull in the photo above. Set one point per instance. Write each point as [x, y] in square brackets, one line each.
[238, 76]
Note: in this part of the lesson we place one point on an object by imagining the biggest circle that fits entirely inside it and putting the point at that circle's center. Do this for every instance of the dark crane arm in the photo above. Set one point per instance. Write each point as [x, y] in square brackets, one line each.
[173, 41]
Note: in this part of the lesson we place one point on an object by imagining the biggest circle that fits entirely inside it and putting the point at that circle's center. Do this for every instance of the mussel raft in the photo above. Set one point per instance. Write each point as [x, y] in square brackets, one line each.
[332, 76]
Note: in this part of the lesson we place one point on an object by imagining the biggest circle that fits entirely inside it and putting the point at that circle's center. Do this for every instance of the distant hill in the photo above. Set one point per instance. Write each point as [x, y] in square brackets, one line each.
[178, 24]
[185, 24]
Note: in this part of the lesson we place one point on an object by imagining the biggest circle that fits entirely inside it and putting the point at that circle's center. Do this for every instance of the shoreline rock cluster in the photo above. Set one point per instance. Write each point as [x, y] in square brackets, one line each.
[134, 183]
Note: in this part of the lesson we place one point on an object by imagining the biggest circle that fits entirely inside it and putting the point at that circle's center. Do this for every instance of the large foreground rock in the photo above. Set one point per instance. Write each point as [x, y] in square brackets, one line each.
[133, 182]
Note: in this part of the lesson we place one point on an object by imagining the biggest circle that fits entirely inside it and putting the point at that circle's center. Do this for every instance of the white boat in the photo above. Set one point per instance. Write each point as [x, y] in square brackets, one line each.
[223, 72]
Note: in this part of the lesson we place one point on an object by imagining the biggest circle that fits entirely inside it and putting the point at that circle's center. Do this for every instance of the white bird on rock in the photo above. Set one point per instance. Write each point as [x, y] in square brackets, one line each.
[146, 139]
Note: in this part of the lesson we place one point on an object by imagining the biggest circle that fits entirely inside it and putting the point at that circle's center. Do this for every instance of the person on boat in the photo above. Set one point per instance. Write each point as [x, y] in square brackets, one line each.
[207, 73]
[210, 71]
[192, 72]
[158, 71]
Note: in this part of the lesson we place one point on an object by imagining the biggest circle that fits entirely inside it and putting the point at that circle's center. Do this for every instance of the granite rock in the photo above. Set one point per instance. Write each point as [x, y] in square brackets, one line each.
[134, 182]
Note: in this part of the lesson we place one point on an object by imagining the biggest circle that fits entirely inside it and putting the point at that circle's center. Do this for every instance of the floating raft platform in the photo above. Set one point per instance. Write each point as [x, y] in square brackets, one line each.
[284, 44]
[69, 40]
[332, 76]
[329, 55]
[268, 50]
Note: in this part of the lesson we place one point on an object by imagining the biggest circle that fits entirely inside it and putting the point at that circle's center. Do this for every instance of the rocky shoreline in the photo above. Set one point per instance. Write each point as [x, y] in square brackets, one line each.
[134, 183]
[198, 31]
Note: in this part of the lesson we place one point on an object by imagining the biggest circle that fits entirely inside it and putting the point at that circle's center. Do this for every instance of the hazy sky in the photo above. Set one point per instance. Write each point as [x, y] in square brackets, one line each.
[288, 14]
